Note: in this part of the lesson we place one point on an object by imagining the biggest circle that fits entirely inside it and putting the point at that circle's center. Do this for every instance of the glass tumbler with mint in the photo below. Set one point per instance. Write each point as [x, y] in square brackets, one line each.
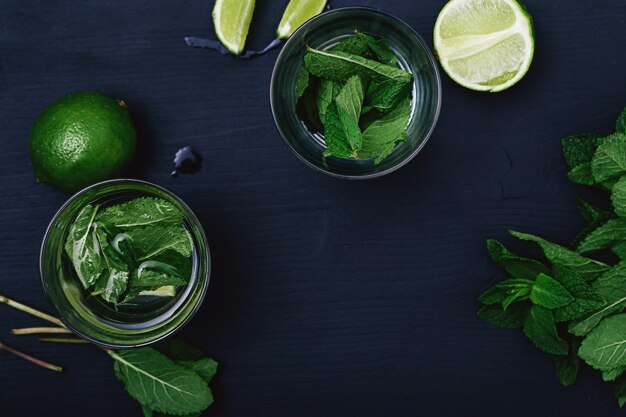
[125, 263]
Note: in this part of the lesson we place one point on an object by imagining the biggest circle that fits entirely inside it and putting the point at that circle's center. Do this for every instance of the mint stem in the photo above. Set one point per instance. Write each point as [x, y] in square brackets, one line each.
[30, 310]
[31, 359]
[39, 330]
[62, 340]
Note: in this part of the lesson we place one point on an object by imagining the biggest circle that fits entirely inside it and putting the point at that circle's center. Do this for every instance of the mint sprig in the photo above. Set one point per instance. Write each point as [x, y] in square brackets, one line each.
[569, 304]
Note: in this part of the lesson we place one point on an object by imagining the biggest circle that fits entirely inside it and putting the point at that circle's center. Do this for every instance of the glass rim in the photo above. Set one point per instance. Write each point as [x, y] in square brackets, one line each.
[435, 71]
[168, 333]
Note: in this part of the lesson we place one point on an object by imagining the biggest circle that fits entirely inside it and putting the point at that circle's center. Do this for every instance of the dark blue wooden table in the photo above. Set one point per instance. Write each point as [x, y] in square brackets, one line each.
[328, 297]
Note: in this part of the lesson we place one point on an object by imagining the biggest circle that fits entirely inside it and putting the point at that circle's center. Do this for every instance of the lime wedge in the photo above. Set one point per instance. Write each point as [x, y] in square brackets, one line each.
[296, 13]
[165, 291]
[485, 45]
[231, 19]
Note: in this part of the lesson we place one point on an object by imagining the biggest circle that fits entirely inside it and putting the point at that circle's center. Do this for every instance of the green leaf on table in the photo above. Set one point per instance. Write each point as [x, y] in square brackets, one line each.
[326, 94]
[619, 389]
[567, 366]
[153, 240]
[340, 66]
[82, 248]
[144, 211]
[618, 197]
[380, 48]
[613, 374]
[507, 291]
[382, 135]
[114, 280]
[166, 268]
[588, 211]
[586, 300]
[558, 255]
[160, 384]
[609, 159]
[611, 286]
[302, 81]
[620, 125]
[205, 367]
[591, 227]
[549, 293]
[579, 149]
[582, 174]
[513, 317]
[604, 237]
[541, 330]
[604, 348]
[516, 266]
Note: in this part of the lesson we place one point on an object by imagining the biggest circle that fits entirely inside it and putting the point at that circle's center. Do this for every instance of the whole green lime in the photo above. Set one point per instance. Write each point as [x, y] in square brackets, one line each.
[81, 139]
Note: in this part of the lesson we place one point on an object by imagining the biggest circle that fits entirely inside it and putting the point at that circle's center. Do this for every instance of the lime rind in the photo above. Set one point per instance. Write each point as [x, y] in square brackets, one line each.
[231, 21]
[522, 26]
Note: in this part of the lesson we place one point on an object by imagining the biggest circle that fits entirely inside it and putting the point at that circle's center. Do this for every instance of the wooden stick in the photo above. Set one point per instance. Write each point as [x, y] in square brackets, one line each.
[31, 359]
[30, 310]
[38, 330]
[62, 340]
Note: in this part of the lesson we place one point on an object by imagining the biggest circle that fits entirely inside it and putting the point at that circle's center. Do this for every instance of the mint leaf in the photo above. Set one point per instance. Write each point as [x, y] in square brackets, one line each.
[144, 211]
[620, 125]
[167, 268]
[619, 389]
[326, 95]
[302, 81]
[609, 159]
[350, 98]
[340, 66]
[579, 149]
[114, 280]
[516, 266]
[206, 368]
[381, 49]
[160, 384]
[348, 103]
[340, 131]
[604, 237]
[613, 374]
[511, 318]
[582, 174]
[506, 292]
[152, 240]
[385, 95]
[382, 135]
[567, 366]
[619, 249]
[586, 300]
[618, 197]
[604, 348]
[541, 330]
[353, 45]
[81, 248]
[591, 228]
[548, 293]
[588, 211]
[556, 254]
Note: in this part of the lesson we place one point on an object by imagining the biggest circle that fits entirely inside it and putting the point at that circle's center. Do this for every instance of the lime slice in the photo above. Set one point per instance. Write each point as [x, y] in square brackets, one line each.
[296, 13]
[165, 291]
[231, 19]
[485, 45]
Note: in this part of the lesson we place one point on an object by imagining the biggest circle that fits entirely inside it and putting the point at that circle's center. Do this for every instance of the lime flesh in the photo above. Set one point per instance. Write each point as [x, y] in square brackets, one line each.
[231, 20]
[296, 13]
[484, 45]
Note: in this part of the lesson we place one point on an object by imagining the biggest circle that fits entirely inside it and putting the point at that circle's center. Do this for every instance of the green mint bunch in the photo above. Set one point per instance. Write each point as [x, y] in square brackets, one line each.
[567, 303]
[128, 249]
[357, 96]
